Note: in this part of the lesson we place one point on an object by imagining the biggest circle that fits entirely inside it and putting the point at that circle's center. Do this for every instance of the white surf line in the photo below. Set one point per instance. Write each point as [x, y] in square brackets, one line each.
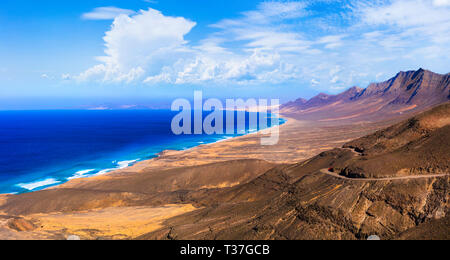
[80, 174]
[38, 184]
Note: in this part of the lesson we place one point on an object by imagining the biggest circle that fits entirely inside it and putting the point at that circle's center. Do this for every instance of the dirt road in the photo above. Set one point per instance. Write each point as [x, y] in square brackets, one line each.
[326, 171]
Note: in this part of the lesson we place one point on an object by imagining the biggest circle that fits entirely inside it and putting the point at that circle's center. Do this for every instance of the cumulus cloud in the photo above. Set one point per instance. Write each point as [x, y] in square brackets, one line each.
[260, 58]
[139, 43]
[150, 47]
[106, 13]
[279, 42]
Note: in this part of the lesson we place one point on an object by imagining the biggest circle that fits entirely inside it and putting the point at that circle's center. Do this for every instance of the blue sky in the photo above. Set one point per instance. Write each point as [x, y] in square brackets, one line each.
[89, 53]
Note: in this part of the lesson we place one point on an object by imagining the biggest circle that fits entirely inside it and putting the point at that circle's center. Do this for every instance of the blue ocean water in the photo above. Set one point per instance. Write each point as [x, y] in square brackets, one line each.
[39, 149]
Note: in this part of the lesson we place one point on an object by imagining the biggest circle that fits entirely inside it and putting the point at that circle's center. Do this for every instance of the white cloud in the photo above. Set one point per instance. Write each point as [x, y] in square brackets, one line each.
[263, 28]
[66, 77]
[150, 47]
[139, 43]
[106, 13]
[314, 82]
[441, 2]
[266, 13]
[406, 13]
[334, 80]
[260, 58]
[410, 25]
[332, 41]
[279, 42]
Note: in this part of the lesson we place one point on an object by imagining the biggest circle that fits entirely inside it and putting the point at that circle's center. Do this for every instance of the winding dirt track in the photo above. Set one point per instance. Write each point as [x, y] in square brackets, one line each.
[326, 171]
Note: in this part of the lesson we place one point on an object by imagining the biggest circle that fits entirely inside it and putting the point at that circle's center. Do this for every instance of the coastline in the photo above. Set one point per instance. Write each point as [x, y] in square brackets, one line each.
[128, 166]
[299, 140]
[138, 165]
[71, 207]
[144, 165]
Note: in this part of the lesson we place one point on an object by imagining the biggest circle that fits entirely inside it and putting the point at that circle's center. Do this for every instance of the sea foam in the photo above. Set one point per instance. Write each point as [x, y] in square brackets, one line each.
[120, 165]
[125, 164]
[34, 185]
[80, 174]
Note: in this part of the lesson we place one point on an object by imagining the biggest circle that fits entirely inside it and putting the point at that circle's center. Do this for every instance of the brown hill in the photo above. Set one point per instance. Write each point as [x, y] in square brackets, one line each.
[436, 229]
[303, 202]
[414, 147]
[406, 93]
[133, 189]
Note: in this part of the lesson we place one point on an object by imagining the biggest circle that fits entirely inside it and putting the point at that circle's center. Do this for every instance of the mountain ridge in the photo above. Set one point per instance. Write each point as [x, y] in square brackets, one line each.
[407, 91]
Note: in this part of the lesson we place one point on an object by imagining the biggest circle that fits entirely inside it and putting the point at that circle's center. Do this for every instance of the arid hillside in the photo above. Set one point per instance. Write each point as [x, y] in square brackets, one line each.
[407, 93]
[418, 146]
[307, 201]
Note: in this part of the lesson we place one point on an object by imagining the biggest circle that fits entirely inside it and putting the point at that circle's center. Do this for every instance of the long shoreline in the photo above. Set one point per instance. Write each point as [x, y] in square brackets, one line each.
[161, 154]
[136, 163]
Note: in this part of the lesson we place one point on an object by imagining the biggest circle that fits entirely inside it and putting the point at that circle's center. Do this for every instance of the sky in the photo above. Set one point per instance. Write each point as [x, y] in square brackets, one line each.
[76, 54]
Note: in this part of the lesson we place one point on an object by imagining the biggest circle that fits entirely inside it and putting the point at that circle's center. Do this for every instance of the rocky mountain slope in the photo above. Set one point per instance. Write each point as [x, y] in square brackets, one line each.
[301, 202]
[417, 146]
[406, 93]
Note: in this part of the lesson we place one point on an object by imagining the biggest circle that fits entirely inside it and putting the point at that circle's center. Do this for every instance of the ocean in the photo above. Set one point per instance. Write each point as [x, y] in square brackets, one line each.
[40, 149]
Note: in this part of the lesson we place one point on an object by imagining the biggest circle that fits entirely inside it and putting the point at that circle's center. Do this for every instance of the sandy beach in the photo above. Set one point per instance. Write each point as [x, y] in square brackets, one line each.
[299, 140]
